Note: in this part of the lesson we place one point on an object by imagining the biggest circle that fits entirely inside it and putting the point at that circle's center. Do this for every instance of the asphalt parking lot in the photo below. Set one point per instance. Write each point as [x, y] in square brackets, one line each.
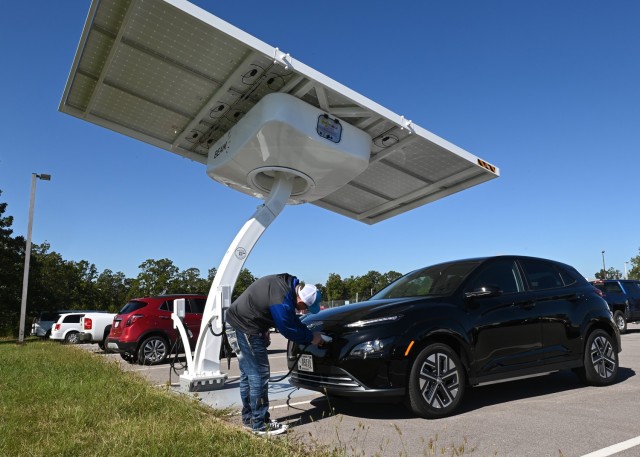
[554, 415]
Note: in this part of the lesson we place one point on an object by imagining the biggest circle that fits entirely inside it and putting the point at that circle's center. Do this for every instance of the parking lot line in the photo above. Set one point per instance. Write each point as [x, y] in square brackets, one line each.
[614, 449]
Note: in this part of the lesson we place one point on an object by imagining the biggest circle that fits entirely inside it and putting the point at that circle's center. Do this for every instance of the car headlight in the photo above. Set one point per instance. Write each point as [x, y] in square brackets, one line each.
[370, 349]
[377, 320]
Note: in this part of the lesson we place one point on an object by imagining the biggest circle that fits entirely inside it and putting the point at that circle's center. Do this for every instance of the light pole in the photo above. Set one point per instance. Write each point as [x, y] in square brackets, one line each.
[625, 270]
[27, 254]
[604, 269]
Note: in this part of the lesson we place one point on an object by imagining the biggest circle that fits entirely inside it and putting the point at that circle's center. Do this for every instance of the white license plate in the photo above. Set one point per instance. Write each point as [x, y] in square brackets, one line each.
[305, 363]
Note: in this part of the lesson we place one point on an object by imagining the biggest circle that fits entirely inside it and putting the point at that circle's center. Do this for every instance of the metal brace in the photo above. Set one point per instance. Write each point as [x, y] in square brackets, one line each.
[406, 124]
[281, 58]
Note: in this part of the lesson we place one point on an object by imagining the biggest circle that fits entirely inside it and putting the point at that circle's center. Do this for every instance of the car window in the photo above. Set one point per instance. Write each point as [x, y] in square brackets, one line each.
[132, 306]
[612, 288]
[569, 275]
[72, 319]
[440, 279]
[540, 274]
[632, 288]
[197, 305]
[502, 274]
[49, 316]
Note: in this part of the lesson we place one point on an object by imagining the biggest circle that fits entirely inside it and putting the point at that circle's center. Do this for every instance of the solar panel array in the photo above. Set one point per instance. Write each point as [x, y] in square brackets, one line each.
[173, 75]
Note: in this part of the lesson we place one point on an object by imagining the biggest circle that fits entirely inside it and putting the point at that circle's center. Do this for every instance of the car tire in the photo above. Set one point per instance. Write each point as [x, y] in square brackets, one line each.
[71, 338]
[127, 357]
[153, 350]
[103, 345]
[620, 321]
[600, 359]
[436, 382]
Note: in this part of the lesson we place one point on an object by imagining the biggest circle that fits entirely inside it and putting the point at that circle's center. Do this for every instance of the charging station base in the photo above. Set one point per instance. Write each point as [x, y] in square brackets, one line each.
[202, 383]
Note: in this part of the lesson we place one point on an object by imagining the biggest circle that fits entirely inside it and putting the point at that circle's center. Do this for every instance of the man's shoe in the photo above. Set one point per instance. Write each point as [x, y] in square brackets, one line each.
[272, 428]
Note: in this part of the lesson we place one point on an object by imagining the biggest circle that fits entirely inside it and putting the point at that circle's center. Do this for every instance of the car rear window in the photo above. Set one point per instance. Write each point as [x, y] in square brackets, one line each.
[72, 318]
[612, 288]
[132, 306]
[49, 316]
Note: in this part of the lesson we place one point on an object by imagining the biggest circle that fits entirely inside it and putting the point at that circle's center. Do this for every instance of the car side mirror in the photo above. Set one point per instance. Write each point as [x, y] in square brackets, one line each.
[483, 291]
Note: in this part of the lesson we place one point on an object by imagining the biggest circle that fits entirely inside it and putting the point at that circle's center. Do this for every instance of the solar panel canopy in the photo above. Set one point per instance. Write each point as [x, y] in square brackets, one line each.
[175, 76]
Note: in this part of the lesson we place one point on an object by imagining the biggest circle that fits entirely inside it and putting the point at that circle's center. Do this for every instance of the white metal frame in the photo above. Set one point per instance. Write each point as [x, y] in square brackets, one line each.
[203, 373]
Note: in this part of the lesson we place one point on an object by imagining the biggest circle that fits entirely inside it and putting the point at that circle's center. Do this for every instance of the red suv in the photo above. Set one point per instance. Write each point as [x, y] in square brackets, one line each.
[143, 331]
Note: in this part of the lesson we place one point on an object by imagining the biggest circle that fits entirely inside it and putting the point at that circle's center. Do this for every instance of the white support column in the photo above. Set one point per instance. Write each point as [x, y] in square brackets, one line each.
[204, 373]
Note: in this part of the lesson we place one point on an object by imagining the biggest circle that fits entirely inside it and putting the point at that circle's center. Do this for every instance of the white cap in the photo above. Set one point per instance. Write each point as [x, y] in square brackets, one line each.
[311, 296]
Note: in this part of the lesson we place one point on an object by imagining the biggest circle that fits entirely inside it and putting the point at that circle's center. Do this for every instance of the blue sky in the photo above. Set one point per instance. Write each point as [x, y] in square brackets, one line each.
[546, 90]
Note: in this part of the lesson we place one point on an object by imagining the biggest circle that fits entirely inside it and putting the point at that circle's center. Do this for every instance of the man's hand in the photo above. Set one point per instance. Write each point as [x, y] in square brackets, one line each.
[317, 339]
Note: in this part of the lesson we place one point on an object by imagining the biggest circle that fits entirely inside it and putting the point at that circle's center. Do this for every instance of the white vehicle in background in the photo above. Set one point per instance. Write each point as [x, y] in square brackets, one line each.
[95, 328]
[67, 328]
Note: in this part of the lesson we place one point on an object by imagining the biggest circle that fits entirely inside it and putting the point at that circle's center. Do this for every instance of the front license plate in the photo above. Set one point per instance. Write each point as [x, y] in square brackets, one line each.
[305, 363]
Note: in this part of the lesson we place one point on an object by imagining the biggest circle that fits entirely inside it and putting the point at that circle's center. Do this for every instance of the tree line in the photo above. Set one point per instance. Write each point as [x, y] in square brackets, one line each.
[56, 283]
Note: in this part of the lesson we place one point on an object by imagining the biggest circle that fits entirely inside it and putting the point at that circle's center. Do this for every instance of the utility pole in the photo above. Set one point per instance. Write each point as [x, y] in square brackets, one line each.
[27, 254]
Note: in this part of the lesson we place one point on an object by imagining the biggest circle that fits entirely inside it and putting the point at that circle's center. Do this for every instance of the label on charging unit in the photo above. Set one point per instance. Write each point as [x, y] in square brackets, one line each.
[329, 128]
[305, 362]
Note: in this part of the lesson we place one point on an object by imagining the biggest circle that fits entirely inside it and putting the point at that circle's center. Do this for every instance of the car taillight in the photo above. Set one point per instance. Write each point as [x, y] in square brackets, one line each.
[56, 327]
[599, 292]
[88, 323]
[133, 318]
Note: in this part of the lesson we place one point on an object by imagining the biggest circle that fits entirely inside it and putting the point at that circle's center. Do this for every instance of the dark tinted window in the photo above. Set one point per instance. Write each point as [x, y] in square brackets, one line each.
[569, 275]
[72, 318]
[436, 280]
[49, 317]
[197, 305]
[167, 305]
[632, 288]
[541, 275]
[502, 274]
[132, 306]
[612, 288]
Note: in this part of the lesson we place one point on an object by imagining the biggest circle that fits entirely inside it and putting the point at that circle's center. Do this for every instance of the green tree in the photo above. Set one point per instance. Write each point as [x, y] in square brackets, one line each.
[113, 290]
[245, 279]
[189, 281]
[155, 278]
[334, 287]
[634, 273]
[612, 273]
[11, 272]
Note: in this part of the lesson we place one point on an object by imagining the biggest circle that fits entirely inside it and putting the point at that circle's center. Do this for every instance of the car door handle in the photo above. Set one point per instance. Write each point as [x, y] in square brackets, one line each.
[165, 317]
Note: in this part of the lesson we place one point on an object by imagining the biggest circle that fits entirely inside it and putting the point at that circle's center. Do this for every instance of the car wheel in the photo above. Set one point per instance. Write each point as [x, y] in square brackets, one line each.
[620, 321]
[153, 351]
[436, 382]
[71, 338]
[600, 359]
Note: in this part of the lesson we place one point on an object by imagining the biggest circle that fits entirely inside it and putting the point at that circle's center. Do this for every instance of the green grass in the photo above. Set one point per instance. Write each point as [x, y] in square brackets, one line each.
[58, 401]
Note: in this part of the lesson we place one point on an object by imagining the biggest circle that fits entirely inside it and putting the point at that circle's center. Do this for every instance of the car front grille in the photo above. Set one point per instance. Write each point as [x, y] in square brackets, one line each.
[343, 379]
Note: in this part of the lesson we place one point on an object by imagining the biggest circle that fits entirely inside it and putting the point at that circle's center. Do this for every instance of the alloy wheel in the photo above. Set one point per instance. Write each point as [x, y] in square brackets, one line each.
[439, 380]
[603, 357]
[154, 350]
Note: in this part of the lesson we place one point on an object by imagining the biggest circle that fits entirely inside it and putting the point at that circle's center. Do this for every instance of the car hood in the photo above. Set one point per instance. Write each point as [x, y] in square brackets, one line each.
[368, 310]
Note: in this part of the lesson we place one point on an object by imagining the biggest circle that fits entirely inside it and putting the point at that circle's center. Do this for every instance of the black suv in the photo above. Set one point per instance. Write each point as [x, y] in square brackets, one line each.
[623, 297]
[437, 330]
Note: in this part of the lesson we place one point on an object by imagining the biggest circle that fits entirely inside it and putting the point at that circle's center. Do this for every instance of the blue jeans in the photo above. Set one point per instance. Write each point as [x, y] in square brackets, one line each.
[254, 380]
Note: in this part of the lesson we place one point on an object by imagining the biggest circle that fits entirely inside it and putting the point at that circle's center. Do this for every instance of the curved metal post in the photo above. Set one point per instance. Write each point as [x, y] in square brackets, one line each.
[206, 360]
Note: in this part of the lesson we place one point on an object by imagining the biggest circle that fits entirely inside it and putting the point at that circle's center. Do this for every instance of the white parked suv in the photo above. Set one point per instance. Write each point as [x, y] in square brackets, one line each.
[67, 328]
[95, 328]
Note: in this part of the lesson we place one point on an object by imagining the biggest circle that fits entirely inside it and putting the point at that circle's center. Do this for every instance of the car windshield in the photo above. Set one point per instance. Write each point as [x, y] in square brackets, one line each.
[440, 279]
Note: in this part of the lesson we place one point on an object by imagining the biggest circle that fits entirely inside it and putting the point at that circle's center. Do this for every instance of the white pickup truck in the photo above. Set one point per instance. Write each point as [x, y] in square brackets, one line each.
[95, 328]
